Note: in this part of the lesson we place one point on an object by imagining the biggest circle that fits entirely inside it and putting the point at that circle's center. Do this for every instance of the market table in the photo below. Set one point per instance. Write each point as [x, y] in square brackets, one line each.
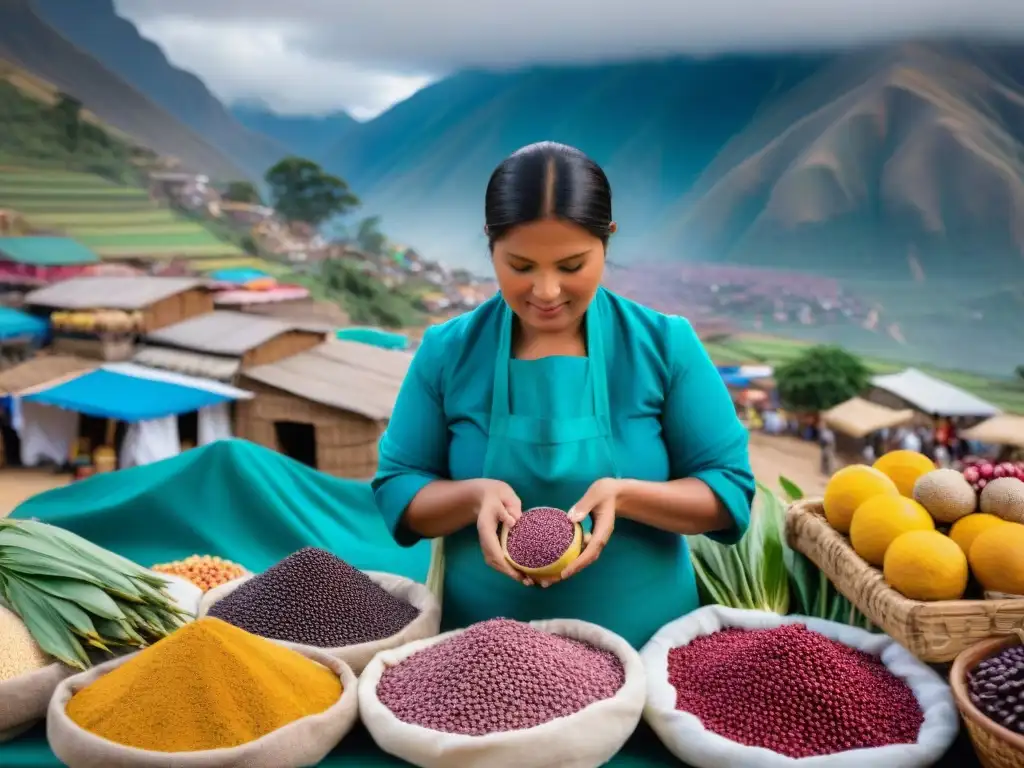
[254, 506]
[359, 751]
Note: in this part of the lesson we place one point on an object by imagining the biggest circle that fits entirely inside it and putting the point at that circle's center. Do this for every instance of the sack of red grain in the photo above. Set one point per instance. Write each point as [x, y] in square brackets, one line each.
[732, 687]
[313, 598]
[505, 694]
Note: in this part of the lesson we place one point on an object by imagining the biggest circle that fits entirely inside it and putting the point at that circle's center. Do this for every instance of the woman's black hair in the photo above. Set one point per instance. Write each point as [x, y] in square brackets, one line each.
[548, 180]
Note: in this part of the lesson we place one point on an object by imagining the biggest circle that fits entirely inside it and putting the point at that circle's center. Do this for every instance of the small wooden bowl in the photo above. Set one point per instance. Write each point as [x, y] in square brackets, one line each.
[996, 746]
[547, 571]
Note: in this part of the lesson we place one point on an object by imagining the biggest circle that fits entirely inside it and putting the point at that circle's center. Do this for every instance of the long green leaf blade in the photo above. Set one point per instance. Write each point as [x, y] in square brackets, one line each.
[46, 627]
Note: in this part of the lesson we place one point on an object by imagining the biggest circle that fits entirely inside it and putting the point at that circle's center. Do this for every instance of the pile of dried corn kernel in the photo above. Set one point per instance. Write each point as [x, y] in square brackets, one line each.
[205, 571]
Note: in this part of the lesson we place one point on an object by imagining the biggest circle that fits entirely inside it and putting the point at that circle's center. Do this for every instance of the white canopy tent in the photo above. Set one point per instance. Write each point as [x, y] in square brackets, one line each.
[933, 396]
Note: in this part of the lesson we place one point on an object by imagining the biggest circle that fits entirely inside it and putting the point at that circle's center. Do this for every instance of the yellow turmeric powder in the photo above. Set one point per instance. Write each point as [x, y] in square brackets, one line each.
[207, 686]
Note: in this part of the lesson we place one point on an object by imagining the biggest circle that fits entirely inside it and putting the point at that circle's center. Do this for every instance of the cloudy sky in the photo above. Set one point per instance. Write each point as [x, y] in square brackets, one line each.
[317, 56]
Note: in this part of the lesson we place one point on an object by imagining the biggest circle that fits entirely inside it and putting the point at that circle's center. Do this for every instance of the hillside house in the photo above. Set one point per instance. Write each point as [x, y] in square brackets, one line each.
[220, 344]
[34, 260]
[326, 407]
[102, 316]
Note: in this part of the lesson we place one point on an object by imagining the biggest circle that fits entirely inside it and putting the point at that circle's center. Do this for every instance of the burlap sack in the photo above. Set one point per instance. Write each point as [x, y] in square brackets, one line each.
[427, 624]
[23, 699]
[687, 739]
[302, 743]
[587, 739]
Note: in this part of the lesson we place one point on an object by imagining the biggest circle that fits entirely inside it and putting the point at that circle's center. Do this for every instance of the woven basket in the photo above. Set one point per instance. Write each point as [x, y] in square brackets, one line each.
[996, 746]
[935, 632]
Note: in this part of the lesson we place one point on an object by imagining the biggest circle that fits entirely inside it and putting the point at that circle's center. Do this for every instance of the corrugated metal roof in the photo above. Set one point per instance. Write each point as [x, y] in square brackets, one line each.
[341, 374]
[221, 332]
[46, 251]
[43, 370]
[110, 292]
[190, 363]
[931, 395]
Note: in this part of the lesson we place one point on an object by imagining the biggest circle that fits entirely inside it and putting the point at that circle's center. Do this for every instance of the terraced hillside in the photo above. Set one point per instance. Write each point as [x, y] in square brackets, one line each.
[117, 222]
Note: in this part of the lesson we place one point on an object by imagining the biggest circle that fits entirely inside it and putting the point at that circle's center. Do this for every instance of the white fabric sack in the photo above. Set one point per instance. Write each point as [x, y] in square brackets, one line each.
[427, 624]
[686, 738]
[586, 739]
[301, 743]
[183, 592]
[23, 699]
[47, 433]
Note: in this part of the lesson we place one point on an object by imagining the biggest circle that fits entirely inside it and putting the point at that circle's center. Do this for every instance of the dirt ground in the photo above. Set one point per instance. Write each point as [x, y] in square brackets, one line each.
[16, 485]
[770, 457]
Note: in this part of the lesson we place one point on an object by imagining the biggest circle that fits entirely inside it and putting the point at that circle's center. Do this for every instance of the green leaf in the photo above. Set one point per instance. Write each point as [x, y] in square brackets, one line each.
[47, 627]
[82, 548]
[717, 592]
[31, 563]
[791, 489]
[774, 577]
[84, 594]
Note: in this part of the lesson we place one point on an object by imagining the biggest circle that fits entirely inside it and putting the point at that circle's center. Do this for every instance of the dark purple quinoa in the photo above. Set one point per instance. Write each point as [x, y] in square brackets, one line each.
[314, 598]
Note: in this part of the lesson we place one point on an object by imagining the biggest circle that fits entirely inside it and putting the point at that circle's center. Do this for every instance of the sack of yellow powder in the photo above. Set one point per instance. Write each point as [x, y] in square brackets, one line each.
[316, 599]
[208, 696]
[28, 677]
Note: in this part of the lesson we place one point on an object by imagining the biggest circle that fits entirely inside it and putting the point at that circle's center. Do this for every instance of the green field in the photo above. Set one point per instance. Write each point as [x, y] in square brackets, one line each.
[117, 222]
[746, 349]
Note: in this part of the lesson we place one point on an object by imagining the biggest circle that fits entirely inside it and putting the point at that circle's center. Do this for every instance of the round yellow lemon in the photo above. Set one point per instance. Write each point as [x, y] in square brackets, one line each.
[997, 558]
[903, 468]
[925, 565]
[850, 487]
[880, 519]
[967, 529]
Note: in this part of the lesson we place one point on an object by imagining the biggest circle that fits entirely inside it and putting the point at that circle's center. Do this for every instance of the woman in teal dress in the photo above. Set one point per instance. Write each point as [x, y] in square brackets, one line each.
[557, 392]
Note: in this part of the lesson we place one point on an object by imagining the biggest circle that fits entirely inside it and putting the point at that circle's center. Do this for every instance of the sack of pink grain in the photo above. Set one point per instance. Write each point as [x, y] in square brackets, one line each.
[505, 694]
[753, 688]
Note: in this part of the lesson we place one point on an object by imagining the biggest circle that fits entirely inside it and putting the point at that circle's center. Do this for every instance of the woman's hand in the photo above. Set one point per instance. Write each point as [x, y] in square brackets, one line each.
[497, 504]
[599, 502]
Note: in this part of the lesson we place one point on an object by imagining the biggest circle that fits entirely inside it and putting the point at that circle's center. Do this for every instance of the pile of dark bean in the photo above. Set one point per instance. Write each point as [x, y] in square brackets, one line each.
[540, 537]
[793, 691]
[498, 675]
[314, 598]
[996, 687]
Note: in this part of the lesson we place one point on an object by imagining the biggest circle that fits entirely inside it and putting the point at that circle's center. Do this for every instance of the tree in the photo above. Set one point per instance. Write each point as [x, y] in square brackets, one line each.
[1020, 372]
[820, 378]
[303, 191]
[243, 192]
[369, 236]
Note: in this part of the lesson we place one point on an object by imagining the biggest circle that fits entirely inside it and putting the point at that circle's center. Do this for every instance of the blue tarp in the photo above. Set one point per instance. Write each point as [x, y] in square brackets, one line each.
[375, 337]
[110, 395]
[736, 380]
[240, 275]
[14, 323]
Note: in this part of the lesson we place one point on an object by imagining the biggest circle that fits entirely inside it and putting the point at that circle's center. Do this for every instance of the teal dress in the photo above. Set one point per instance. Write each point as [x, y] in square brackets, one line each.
[646, 403]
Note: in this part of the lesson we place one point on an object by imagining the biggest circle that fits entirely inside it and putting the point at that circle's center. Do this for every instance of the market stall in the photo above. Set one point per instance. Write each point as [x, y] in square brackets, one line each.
[265, 507]
[147, 401]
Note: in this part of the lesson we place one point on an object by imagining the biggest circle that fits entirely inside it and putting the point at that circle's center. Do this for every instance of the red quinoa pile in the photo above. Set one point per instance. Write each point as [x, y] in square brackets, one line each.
[541, 536]
[793, 691]
[498, 675]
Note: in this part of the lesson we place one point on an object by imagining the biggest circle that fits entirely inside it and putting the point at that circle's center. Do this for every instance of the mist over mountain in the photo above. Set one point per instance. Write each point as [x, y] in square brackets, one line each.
[306, 136]
[94, 26]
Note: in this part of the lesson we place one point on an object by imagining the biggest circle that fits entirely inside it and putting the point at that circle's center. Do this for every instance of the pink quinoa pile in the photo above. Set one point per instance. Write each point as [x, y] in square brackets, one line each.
[541, 536]
[498, 675]
[793, 691]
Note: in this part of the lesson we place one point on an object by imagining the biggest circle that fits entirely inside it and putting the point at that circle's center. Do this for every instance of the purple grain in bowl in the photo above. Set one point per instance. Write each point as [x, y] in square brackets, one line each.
[542, 535]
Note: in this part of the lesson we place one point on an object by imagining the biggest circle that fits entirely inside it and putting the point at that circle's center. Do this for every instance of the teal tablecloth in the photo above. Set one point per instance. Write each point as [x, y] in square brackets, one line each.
[255, 506]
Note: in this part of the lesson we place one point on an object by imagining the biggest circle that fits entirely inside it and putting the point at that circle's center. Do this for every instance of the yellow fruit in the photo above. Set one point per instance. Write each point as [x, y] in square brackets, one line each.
[997, 558]
[967, 529]
[903, 468]
[850, 487]
[925, 565]
[880, 519]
